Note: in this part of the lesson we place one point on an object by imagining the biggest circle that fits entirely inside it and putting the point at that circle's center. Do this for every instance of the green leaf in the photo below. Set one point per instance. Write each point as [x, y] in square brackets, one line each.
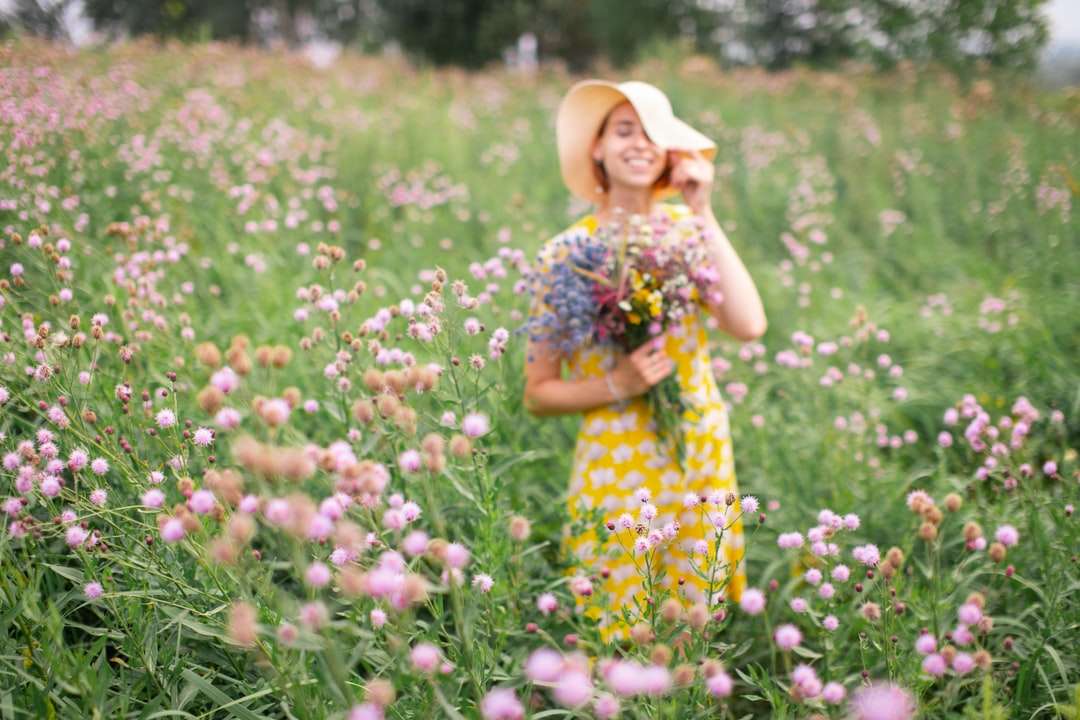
[224, 701]
[73, 574]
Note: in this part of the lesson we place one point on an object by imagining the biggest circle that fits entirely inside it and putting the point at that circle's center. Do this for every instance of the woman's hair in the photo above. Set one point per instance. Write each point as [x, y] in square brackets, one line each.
[601, 174]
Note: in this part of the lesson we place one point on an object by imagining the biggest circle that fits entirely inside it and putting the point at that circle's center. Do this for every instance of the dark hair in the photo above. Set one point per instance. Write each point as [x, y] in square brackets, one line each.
[601, 174]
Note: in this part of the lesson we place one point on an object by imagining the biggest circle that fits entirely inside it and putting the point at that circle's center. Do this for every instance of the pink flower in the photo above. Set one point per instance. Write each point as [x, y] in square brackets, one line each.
[203, 436]
[483, 582]
[752, 601]
[606, 706]
[313, 615]
[790, 540]
[153, 498]
[172, 530]
[934, 664]
[165, 418]
[1049, 467]
[882, 701]
[787, 636]
[925, 644]
[75, 536]
[749, 504]
[547, 603]
[409, 461]
[99, 466]
[720, 685]
[475, 425]
[201, 502]
[963, 663]
[830, 623]
[378, 618]
[457, 555]
[501, 704]
[544, 665]
[317, 575]
[573, 689]
[799, 605]
[92, 590]
[812, 576]
[833, 693]
[868, 555]
[1007, 535]
[98, 497]
[366, 711]
[826, 591]
[415, 543]
[969, 613]
[425, 657]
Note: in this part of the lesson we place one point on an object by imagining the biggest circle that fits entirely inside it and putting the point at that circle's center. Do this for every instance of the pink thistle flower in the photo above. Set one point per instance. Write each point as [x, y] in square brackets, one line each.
[501, 704]
[415, 543]
[934, 664]
[969, 613]
[317, 575]
[812, 576]
[752, 601]
[962, 636]
[366, 711]
[483, 582]
[882, 701]
[833, 693]
[925, 644]
[457, 555]
[799, 605]
[830, 623]
[378, 618]
[425, 657]
[606, 706]
[749, 504]
[790, 540]
[92, 590]
[99, 497]
[787, 636]
[409, 461]
[201, 502]
[75, 536]
[963, 663]
[544, 665]
[475, 424]
[547, 603]
[173, 530]
[165, 419]
[573, 689]
[203, 437]
[826, 591]
[313, 615]
[720, 685]
[99, 466]
[1049, 468]
[1007, 535]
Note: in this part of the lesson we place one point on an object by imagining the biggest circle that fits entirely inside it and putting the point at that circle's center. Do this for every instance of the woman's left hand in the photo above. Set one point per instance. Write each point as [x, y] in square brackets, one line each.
[692, 175]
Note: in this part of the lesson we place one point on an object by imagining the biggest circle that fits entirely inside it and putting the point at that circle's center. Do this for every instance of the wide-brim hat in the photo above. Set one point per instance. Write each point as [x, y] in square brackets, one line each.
[584, 108]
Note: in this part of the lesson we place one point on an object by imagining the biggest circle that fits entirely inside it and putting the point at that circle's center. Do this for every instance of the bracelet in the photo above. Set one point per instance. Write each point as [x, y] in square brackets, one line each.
[611, 386]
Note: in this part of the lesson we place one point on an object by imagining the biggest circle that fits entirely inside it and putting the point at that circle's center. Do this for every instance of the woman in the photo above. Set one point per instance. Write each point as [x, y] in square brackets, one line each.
[622, 148]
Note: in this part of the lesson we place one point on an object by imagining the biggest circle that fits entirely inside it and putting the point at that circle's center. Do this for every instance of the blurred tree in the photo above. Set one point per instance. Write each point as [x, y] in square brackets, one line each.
[189, 19]
[1005, 33]
[44, 18]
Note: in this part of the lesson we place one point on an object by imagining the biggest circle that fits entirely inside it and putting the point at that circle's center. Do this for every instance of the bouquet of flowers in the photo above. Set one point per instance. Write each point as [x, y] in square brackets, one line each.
[623, 285]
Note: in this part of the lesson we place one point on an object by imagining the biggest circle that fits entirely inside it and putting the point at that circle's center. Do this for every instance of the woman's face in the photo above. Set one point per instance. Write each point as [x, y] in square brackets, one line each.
[630, 158]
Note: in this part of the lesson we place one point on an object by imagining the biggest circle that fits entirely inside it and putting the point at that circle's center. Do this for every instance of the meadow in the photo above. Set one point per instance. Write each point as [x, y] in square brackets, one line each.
[263, 447]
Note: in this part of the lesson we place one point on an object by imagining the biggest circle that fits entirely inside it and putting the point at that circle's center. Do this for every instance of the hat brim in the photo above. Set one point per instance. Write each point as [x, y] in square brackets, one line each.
[580, 113]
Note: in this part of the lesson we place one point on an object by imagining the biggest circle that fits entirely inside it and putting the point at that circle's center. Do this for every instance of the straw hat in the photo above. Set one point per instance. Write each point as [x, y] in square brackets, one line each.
[584, 108]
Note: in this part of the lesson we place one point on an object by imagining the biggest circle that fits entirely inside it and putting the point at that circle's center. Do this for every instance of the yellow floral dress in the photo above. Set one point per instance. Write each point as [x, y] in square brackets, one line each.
[617, 453]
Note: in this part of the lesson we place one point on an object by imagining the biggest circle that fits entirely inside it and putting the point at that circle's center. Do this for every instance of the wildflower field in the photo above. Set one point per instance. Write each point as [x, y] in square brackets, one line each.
[262, 446]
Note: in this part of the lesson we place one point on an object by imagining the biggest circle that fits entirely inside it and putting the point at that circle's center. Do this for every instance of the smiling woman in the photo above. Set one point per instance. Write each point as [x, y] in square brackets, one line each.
[621, 147]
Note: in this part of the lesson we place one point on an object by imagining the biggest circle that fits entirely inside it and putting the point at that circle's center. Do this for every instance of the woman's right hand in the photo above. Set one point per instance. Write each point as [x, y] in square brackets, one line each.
[636, 372]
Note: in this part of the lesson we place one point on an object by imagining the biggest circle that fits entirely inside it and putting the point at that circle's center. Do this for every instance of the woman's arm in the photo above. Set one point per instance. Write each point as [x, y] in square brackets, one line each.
[741, 313]
[546, 393]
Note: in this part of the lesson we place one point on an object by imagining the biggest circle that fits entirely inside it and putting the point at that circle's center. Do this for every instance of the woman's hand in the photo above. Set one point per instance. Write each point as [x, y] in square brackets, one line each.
[638, 371]
[692, 175]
